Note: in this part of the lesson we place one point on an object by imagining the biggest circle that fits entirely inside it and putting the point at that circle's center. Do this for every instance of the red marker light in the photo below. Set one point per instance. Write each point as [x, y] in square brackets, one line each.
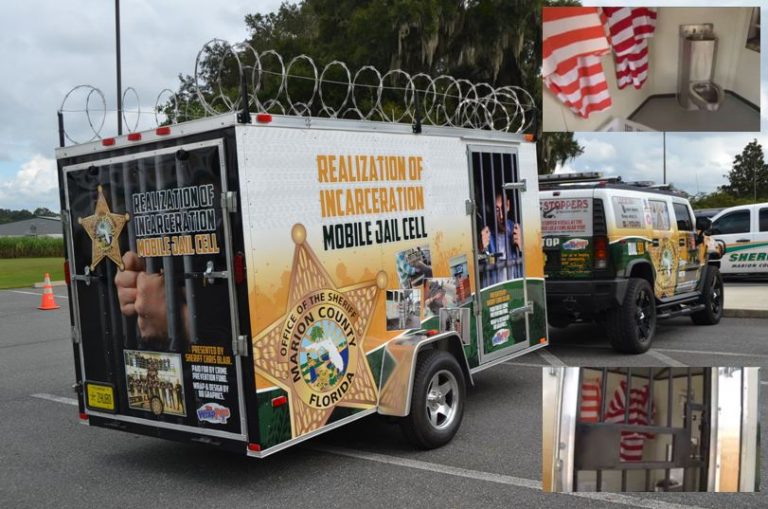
[279, 401]
[67, 277]
[108, 142]
[163, 131]
[134, 136]
[263, 118]
[239, 268]
[83, 416]
[254, 447]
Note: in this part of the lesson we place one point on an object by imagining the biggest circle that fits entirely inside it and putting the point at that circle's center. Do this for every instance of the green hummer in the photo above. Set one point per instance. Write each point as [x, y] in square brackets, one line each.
[625, 255]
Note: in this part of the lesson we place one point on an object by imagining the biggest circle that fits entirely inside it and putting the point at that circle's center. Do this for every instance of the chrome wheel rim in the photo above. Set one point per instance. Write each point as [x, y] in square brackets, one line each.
[442, 399]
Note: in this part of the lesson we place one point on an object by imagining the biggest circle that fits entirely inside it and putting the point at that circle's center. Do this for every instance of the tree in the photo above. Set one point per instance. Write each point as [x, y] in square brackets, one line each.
[497, 42]
[557, 148]
[45, 211]
[749, 176]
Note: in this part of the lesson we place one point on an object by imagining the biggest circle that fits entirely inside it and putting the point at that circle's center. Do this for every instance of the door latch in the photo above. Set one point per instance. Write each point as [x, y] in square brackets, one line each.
[209, 275]
[86, 276]
[521, 186]
[525, 310]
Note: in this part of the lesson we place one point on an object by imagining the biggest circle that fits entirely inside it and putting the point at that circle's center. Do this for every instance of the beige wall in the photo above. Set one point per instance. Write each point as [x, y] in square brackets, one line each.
[736, 68]
[746, 80]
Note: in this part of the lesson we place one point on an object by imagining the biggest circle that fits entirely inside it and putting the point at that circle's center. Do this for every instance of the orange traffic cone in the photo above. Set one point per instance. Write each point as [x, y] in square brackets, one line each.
[48, 301]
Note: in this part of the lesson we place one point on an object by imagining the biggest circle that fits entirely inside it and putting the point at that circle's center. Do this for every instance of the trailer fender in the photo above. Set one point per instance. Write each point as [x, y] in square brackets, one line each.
[401, 355]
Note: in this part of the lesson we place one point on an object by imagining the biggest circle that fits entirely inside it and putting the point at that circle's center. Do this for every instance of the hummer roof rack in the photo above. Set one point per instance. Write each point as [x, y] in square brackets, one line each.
[596, 179]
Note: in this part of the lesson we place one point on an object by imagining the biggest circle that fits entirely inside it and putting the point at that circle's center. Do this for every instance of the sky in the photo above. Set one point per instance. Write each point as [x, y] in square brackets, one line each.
[47, 47]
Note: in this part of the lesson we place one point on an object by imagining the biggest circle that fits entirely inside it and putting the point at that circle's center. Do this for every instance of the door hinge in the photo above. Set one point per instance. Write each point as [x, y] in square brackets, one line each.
[229, 201]
[75, 335]
[521, 186]
[240, 345]
[469, 207]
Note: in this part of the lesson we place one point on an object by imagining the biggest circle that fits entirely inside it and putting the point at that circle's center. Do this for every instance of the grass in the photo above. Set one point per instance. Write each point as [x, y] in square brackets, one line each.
[25, 272]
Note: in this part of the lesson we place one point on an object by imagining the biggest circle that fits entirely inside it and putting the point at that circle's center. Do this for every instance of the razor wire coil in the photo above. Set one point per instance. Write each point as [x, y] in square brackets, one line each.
[365, 94]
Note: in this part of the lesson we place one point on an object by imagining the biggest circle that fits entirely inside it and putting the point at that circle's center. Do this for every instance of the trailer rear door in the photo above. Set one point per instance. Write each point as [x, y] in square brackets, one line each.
[149, 248]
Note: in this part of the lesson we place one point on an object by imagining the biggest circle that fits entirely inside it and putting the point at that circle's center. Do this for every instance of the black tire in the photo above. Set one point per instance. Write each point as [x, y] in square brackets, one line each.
[632, 325]
[712, 298]
[423, 427]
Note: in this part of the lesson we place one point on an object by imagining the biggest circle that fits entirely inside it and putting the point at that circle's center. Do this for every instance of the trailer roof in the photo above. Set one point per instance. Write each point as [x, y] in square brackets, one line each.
[263, 120]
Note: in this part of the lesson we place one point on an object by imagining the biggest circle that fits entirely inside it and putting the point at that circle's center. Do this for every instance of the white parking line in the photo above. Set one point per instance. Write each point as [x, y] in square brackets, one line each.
[614, 498]
[666, 359]
[57, 399]
[37, 294]
[551, 358]
[675, 350]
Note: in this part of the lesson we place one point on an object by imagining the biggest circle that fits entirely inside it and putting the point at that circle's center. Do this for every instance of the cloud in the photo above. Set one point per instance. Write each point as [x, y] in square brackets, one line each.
[34, 185]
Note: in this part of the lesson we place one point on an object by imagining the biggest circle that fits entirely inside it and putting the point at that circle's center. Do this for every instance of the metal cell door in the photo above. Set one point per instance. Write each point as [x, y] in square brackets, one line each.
[501, 300]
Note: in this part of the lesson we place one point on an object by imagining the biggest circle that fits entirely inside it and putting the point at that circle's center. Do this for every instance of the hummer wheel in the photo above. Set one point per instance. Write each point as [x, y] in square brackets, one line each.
[712, 298]
[632, 325]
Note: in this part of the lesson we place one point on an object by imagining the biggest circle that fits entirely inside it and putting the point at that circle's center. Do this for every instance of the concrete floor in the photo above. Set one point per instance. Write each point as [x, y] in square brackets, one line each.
[665, 114]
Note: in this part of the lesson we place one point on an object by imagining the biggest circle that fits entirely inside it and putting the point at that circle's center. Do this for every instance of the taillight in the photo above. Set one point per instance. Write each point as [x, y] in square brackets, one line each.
[67, 277]
[279, 401]
[83, 416]
[263, 118]
[601, 252]
[254, 447]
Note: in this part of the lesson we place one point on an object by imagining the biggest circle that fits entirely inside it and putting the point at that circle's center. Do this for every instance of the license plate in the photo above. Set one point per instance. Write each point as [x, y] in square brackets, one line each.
[100, 397]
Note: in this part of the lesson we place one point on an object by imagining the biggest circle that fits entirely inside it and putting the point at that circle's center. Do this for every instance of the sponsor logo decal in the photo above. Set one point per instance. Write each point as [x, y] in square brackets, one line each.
[213, 413]
[576, 244]
[501, 337]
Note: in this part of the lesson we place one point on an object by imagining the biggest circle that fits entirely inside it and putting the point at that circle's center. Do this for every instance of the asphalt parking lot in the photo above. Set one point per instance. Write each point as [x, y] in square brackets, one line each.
[50, 460]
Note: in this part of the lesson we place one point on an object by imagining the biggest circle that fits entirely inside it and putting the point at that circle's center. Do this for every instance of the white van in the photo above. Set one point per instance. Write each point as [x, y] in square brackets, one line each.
[743, 230]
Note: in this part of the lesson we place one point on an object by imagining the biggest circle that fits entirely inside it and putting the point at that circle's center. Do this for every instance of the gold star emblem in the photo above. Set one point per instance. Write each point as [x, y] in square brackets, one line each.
[315, 351]
[104, 228]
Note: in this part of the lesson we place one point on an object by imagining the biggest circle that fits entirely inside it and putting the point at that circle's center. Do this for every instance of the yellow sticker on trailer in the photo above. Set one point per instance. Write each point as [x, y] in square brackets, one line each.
[100, 397]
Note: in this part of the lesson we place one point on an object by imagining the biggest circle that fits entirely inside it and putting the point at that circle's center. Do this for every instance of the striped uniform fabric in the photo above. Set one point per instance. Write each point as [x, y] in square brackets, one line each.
[590, 401]
[628, 30]
[573, 42]
[631, 441]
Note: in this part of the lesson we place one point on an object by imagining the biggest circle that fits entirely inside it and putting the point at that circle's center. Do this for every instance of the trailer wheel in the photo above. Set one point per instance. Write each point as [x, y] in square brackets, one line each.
[712, 298]
[437, 401]
[631, 326]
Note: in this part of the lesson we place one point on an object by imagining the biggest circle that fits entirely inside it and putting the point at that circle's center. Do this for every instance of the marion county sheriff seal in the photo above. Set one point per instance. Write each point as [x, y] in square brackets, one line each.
[315, 351]
[320, 343]
[104, 229]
